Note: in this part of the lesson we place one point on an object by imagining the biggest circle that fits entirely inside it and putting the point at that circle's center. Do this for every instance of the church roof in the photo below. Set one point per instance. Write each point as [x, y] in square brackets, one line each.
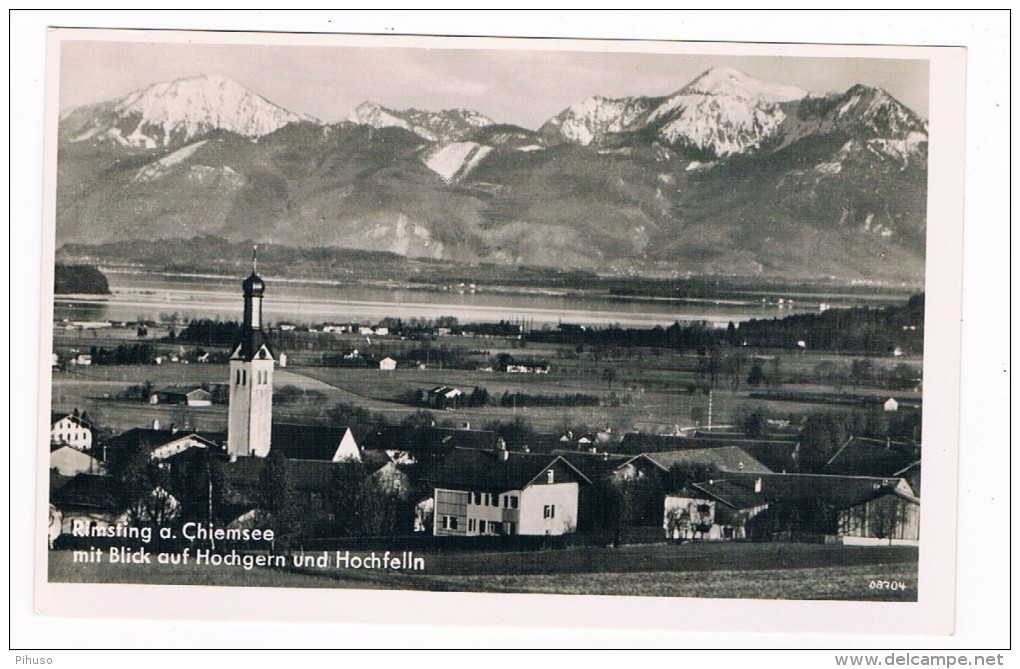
[248, 344]
[307, 442]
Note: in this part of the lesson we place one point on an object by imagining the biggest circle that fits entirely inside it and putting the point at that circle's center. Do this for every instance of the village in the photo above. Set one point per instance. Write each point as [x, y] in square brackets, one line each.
[530, 445]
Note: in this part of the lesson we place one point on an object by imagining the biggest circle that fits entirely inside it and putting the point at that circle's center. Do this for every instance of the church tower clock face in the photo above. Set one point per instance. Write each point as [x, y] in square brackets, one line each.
[250, 417]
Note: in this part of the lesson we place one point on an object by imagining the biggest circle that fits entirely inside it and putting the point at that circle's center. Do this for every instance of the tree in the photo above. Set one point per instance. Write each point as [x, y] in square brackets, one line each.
[756, 424]
[606, 509]
[361, 421]
[419, 420]
[200, 485]
[822, 435]
[277, 499]
[757, 374]
[479, 397]
[344, 497]
[861, 371]
[885, 515]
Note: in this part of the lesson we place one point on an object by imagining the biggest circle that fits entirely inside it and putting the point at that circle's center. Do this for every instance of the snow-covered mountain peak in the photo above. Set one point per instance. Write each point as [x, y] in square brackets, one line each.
[178, 111]
[448, 125]
[591, 119]
[728, 81]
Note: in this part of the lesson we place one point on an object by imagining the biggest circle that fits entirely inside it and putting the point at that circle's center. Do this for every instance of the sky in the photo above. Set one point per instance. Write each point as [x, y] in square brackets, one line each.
[524, 87]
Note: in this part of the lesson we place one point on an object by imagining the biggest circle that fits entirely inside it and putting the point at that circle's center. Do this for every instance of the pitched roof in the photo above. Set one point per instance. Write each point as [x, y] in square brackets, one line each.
[431, 439]
[88, 490]
[595, 466]
[872, 457]
[305, 475]
[147, 439]
[182, 390]
[484, 470]
[738, 490]
[723, 458]
[56, 416]
[307, 442]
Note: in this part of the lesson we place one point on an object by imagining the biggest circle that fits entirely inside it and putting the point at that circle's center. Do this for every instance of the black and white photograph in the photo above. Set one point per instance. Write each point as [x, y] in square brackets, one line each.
[639, 321]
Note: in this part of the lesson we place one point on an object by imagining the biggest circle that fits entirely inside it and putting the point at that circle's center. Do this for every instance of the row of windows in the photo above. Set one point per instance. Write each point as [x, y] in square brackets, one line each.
[489, 499]
[70, 436]
[549, 511]
[261, 377]
[491, 526]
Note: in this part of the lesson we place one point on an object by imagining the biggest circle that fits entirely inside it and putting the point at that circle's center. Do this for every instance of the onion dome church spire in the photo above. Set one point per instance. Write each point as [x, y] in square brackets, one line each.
[250, 417]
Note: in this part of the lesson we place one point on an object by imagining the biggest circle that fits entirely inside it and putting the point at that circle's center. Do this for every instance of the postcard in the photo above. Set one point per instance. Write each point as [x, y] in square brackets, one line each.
[628, 334]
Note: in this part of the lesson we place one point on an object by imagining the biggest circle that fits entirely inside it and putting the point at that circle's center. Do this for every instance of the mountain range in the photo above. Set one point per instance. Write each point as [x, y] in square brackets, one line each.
[728, 175]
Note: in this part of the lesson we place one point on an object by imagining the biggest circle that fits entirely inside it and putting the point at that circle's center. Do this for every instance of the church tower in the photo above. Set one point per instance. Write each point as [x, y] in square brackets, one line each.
[250, 422]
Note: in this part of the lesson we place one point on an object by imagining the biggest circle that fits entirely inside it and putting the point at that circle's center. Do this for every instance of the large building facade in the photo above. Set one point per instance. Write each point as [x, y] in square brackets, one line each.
[250, 421]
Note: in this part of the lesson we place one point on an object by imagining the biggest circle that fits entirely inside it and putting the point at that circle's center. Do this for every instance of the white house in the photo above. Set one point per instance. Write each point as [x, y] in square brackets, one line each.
[891, 404]
[71, 429]
[388, 364]
[480, 492]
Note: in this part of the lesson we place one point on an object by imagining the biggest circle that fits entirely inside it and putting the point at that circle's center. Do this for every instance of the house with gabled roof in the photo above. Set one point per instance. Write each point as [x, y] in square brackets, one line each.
[445, 397]
[70, 428]
[634, 477]
[69, 461]
[778, 455]
[159, 444]
[487, 492]
[97, 501]
[853, 509]
[192, 396]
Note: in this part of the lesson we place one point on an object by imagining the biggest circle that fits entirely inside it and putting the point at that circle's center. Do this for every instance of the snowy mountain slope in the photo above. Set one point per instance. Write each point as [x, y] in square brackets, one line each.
[175, 112]
[727, 175]
[453, 162]
[733, 83]
[592, 119]
[448, 125]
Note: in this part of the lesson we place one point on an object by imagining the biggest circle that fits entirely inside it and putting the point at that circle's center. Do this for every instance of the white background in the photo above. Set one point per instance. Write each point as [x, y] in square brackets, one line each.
[983, 585]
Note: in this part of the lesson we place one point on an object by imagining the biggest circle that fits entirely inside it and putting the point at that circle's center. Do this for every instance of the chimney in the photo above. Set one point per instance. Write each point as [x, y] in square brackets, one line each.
[757, 484]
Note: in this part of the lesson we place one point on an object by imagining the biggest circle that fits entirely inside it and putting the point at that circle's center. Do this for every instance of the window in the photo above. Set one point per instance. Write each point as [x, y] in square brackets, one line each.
[509, 528]
[450, 522]
[495, 500]
[476, 498]
[549, 511]
[550, 476]
[493, 527]
[471, 524]
[513, 501]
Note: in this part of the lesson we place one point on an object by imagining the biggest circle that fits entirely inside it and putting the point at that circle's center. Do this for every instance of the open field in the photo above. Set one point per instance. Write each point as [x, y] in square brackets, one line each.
[752, 571]
[650, 393]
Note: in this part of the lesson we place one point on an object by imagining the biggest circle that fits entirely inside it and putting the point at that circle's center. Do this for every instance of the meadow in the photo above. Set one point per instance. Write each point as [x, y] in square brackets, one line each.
[709, 570]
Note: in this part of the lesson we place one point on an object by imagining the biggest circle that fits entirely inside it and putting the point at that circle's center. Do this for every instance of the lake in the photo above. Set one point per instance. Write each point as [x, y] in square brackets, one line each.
[150, 296]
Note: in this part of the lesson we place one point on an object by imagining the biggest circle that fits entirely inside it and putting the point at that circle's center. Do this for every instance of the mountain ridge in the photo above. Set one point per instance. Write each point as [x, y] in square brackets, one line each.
[727, 174]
